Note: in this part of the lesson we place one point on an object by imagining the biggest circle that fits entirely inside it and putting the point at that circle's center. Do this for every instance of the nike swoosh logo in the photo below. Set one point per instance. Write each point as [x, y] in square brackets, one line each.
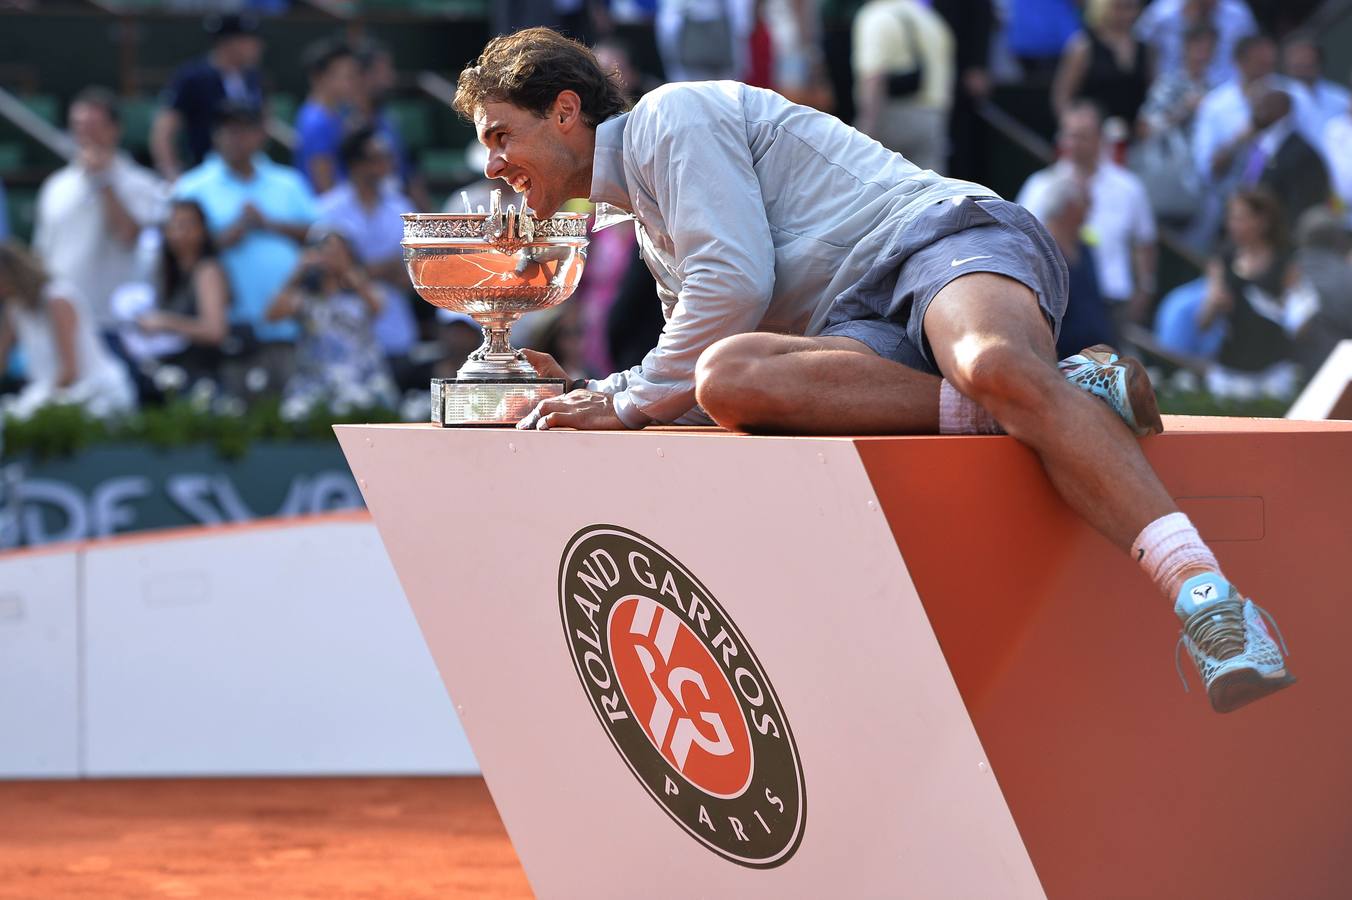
[961, 262]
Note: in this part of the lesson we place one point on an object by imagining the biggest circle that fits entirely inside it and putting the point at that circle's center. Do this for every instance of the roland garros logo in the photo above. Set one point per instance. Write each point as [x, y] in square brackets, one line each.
[682, 696]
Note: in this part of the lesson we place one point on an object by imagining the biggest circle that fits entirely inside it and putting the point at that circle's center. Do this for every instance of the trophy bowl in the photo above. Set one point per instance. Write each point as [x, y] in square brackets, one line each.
[495, 267]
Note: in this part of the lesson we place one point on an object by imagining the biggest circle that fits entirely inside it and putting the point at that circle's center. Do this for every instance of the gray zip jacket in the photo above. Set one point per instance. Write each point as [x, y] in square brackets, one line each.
[754, 214]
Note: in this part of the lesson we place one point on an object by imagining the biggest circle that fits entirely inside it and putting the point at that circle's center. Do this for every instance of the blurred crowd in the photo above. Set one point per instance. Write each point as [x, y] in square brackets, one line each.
[225, 270]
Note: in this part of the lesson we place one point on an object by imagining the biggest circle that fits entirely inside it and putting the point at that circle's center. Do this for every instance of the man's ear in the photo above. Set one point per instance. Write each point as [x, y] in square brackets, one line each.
[567, 110]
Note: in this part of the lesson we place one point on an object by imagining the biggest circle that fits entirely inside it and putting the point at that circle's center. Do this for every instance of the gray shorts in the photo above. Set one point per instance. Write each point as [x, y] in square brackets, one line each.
[951, 239]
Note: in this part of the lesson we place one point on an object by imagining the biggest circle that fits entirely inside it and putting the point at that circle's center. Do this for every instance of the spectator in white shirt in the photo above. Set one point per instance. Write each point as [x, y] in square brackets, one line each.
[67, 361]
[1121, 225]
[1318, 100]
[1224, 124]
[90, 213]
[1164, 23]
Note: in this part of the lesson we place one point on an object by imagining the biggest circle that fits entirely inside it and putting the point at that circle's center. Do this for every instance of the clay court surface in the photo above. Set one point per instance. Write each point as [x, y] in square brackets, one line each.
[258, 838]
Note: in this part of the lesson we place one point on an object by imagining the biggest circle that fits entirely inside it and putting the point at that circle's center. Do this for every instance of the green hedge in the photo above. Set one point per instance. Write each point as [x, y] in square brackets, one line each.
[56, 431]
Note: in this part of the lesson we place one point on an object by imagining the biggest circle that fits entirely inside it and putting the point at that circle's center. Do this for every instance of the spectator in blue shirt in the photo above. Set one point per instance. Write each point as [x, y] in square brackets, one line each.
[335, 82]
[258, 212]
[1037, 32]
[228, 72]
[368, 210]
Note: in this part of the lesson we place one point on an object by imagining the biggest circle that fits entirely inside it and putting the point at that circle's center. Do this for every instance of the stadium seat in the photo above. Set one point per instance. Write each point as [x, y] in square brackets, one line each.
[443, 165]
[11, 157]
[413, 123]
[137, 115]
[283, 106]
[22, 204]
[46, 106]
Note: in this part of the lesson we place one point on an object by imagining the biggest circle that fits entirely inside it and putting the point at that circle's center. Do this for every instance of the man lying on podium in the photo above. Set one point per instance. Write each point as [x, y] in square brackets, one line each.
[814, 282]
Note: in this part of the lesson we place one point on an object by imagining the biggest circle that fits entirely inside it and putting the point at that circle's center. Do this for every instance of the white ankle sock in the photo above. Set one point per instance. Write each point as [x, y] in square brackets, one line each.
[1167, 548]
[959, 414]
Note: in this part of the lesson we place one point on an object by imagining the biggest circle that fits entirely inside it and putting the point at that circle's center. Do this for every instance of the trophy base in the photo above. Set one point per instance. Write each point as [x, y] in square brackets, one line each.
[466, 403]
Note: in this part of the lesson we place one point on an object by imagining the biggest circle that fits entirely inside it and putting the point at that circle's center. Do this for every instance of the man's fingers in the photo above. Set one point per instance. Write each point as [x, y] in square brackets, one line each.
[528, 421]
[561, 419]
[542, 409]
[544, 365]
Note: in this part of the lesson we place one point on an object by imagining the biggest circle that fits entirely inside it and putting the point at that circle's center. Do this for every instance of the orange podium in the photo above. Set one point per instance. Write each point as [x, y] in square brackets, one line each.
[693, 663]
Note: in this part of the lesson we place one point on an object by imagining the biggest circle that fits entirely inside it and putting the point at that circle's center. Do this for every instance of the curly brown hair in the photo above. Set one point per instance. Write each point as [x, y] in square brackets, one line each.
[528, 69]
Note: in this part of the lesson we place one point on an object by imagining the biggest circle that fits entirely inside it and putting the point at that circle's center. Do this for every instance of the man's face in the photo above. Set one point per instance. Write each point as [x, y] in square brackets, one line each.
[379, 78]
[526, 151]
[376, 163]
[1258, 61]
[1079, 137]
[244, 51]
[342, 79]
[1301, 61]
[237, 142]
[91, 126]
[1197, 53]
[1076, 212]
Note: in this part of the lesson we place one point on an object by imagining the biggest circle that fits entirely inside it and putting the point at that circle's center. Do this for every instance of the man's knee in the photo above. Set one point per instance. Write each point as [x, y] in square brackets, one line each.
[999, 375]
[727, 378]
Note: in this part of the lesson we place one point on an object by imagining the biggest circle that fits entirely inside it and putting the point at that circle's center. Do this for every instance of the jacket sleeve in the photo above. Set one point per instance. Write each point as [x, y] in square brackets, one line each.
[691, 155]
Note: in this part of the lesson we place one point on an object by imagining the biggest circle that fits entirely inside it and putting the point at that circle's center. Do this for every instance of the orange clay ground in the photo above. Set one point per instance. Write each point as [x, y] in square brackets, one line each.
[262, 839]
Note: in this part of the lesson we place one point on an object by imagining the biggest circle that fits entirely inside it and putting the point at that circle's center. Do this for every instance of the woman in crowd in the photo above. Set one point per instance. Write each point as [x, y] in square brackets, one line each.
[1246, 287]
[1105, 63]
[192, 296]
[66, 360]
[1162, 156]
[1173, 98]
[339, 362]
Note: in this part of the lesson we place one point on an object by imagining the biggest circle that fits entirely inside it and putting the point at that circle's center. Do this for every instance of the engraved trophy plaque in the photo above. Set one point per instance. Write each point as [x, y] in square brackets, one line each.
[494, 266]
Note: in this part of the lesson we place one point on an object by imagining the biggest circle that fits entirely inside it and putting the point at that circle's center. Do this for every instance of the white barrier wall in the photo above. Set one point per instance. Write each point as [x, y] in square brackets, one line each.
[280, 648]
[39, 666]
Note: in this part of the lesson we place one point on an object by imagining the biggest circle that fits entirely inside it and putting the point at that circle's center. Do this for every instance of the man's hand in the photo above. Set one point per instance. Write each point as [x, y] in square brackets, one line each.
[545, 365]
[1138, 306]
[581, 409]
[96, 160]
[251, 218]
[977, 83]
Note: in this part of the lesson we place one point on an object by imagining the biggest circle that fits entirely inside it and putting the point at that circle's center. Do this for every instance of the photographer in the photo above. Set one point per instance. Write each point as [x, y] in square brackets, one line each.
[339, 362]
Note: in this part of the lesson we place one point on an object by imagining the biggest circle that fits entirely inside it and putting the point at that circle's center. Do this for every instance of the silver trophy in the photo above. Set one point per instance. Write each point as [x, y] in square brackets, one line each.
[494, 266]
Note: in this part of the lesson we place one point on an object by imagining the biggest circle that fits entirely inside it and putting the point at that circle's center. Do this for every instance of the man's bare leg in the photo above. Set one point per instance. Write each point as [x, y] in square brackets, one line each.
[823, 385]
[993, 343]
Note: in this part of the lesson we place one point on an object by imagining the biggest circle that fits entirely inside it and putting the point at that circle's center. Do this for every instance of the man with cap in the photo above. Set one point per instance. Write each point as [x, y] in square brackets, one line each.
[229, 71]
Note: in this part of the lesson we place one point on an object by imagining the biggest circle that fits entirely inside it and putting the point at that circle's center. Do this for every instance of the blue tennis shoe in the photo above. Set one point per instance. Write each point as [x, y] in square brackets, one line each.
[1228, 639]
